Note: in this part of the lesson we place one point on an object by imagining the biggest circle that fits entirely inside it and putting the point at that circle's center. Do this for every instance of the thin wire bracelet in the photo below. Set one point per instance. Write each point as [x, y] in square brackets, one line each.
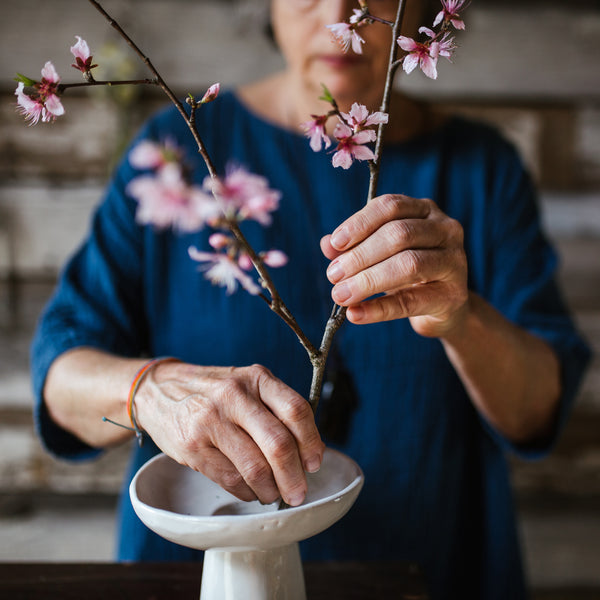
[135, 384]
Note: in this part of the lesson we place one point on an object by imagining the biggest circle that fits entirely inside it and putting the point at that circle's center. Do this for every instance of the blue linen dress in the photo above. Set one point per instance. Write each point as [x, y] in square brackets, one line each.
[437, 487]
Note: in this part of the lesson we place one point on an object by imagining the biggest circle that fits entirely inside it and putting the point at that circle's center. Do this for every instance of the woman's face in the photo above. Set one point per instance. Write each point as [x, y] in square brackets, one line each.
[314, 57]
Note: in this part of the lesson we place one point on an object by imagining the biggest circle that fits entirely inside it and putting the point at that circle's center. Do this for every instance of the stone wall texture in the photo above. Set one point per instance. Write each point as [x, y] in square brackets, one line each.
[528, 67]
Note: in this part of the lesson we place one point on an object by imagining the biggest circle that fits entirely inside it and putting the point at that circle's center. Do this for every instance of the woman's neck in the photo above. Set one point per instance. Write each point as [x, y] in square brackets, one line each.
[278, 100]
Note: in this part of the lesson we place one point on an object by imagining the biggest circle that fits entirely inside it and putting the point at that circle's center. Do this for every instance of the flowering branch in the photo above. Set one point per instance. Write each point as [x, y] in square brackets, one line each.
[353, 130]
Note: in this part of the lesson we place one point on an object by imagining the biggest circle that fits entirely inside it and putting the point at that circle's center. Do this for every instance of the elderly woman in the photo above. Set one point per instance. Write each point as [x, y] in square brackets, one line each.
[458, 346]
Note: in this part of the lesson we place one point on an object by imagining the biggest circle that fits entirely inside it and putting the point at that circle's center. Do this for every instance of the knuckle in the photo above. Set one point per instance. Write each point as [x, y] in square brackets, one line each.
[230, 390]
[412, 264]
[401, 234]
[230, 480]
[257, 472]
[404, 304]
[455, 231]
[280, 445]
[387, 204]
[297, 409]
[367, 282]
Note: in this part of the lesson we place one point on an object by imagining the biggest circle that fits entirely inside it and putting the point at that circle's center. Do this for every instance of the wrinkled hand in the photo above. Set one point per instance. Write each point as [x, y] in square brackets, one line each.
[241, 427]
[408, 250]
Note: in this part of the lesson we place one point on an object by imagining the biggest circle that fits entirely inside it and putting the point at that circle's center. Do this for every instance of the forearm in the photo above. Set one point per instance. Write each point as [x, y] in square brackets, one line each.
[84, 385]
[512, 377]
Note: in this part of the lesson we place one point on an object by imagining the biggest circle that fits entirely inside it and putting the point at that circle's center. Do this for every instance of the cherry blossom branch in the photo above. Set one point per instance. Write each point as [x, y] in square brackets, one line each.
[276, 303]
[375, 164]
[62, 87]
[338, 313]
[161, 83]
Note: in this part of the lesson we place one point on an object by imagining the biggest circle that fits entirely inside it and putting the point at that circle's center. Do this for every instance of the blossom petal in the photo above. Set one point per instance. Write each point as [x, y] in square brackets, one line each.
[54, 106]
[363, 153]
[410, 62]
[428, 66]
[342, 158]
[49, 73]
[407, 43]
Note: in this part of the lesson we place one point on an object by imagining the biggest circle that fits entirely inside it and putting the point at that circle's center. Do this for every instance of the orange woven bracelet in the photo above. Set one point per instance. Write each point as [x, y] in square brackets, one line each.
[135, 384]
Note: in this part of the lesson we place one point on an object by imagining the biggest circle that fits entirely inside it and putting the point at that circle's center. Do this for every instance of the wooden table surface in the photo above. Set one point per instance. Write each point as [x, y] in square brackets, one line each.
[181, 581]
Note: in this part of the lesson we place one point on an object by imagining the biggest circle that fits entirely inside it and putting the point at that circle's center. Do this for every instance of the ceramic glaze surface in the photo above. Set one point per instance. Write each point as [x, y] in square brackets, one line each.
[188, 508]
[251, 549]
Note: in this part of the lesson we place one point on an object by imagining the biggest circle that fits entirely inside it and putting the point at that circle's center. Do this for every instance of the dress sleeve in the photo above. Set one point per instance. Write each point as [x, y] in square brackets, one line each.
[524, 288]
[98, 302]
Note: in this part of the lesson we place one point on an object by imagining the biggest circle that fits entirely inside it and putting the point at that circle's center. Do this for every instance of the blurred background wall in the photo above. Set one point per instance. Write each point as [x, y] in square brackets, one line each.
[527, 66]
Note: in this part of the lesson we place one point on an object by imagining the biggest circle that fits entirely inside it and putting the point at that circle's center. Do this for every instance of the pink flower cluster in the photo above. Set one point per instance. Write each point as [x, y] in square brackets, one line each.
[166, 199]
[43, 101]
[352, 132]
[423, 54]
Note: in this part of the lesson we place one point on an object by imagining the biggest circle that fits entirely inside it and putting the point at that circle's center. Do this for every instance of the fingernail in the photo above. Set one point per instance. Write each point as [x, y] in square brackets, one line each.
[340, 238]
[341, 292]
[296, 500]
[312, 465]
[335, 271]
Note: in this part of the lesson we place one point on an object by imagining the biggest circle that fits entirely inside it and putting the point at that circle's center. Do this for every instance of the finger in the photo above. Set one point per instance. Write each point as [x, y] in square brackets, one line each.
[402, 270]
[296, 414]
[415, 301]
[391, 238]
[373, 215]
[328, 250]
[217, 467]
[249, 460]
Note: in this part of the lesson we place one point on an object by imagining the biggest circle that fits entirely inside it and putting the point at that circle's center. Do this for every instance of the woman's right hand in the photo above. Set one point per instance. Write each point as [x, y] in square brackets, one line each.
[241, 427]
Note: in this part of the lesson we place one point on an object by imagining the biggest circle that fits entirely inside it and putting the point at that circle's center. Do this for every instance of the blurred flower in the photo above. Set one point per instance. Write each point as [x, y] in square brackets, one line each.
[315, 130]
[450, 13]
[167, 200]
[244, 195]
[83, 56]
[346, 35]
[351, 145]
[223, 270]
[274, 258]
[152, 155]
[44, 102]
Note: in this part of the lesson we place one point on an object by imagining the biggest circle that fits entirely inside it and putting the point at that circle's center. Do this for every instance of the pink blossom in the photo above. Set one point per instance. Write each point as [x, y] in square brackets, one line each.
[446, 46]
[152, 155]
[221, 269]
[420, 54]
[274, 258]
[350, 145]
[315, 130]
[166, 200]
[346, 35]
[44, 103]
[211, 93]
[218, 241]
[31, 108]
[244, 195]
[450, 13]
[359, 14]
[83, 56]
[359, 118]
[244, 261]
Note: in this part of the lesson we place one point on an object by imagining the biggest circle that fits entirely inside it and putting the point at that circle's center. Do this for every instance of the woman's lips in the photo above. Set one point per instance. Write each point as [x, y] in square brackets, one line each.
[339, 61]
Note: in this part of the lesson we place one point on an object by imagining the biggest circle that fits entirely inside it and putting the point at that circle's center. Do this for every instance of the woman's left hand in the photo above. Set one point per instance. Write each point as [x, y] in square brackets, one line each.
[408, 251]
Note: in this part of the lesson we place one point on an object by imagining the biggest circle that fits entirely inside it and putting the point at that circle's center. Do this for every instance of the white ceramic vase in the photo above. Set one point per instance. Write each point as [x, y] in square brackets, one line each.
[251, 550]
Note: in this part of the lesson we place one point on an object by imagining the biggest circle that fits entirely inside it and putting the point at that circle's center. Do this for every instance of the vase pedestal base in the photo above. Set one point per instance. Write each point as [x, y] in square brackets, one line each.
[274, 574]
